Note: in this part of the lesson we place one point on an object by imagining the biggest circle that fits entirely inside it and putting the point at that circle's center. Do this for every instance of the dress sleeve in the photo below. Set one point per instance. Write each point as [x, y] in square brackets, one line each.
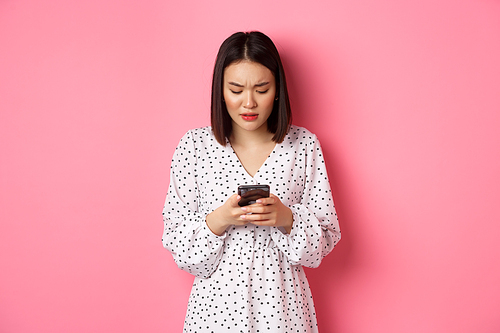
[315, 230]
[186, 235]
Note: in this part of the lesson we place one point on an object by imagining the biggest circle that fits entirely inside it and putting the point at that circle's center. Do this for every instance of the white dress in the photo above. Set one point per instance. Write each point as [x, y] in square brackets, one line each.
[251, 278]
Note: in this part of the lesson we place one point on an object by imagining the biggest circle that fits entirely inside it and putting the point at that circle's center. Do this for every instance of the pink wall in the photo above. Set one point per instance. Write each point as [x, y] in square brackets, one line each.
[405, 96]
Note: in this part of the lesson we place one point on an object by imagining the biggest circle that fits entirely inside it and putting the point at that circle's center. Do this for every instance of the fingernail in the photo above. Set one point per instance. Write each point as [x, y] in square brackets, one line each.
[243, 216]
[244, 209]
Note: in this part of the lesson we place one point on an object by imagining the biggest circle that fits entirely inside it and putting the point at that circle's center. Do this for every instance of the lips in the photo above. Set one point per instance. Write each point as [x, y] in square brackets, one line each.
[249, 116]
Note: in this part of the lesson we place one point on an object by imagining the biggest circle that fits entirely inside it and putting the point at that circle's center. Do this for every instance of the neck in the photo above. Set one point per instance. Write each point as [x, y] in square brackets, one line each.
[250, 138]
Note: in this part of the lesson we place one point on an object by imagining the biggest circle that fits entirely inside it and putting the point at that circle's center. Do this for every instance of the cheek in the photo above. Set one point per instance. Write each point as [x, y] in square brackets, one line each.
[270, 101]
[231, 103]
[228, 100]
[270, 97]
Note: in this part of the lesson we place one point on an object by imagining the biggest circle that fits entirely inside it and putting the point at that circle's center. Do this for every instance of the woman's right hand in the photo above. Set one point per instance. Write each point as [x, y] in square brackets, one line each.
[224, 216]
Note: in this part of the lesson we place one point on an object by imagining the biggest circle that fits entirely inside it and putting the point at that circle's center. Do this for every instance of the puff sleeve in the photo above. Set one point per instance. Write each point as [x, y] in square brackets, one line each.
[315, 230]
[194, 247]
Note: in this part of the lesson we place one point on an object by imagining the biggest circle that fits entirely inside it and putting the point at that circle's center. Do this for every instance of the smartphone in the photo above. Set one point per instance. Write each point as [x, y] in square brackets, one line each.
[250, 193]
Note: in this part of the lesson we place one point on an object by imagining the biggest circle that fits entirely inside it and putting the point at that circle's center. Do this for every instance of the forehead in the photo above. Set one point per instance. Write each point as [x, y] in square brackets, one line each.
[247, 71]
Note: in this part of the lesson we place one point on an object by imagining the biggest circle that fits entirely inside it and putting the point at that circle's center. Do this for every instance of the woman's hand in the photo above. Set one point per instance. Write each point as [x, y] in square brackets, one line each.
[224, 216]
[269, 211]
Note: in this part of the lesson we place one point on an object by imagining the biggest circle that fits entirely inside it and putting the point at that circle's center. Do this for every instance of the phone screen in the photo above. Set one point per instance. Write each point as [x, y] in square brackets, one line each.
[250, 193]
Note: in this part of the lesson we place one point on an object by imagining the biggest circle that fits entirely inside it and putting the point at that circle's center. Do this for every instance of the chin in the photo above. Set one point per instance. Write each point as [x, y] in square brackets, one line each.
[252, 127]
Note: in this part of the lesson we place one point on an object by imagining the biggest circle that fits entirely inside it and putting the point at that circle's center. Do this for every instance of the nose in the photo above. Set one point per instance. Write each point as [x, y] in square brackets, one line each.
[249, 102]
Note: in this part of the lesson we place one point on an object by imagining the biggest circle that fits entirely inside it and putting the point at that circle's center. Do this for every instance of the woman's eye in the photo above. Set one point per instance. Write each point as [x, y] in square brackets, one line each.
[236, 92]
[262, 91]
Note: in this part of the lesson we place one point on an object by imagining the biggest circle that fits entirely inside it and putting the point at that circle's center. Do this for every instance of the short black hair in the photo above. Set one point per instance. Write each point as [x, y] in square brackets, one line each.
[256, 47]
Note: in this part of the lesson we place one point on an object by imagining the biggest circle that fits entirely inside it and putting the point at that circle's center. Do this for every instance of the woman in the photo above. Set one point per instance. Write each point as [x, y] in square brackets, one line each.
[248, 260]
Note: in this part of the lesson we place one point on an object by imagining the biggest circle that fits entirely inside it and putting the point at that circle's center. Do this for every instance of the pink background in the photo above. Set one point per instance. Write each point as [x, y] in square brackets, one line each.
[404, 95]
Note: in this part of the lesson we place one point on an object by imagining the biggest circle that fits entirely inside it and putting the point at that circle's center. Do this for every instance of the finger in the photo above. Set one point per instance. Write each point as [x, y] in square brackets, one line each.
[248, 208]
[255, 217]
[256, 209]
[262, 223]
[267, 201]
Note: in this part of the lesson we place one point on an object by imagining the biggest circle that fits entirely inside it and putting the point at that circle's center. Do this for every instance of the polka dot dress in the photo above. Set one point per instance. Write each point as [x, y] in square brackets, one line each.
[251, 278]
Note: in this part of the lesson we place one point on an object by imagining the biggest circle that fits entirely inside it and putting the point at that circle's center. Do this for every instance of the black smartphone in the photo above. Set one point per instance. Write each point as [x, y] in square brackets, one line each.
[250, 193]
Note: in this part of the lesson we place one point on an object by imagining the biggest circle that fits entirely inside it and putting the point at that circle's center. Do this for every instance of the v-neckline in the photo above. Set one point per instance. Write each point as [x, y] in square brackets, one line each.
[243, 167]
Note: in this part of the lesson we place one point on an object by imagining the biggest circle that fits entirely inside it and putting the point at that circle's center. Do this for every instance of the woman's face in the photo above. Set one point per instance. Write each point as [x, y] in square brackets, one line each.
[249, 93]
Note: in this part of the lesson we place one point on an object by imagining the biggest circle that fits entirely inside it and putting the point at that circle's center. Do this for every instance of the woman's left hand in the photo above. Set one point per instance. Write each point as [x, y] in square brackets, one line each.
[269, 211]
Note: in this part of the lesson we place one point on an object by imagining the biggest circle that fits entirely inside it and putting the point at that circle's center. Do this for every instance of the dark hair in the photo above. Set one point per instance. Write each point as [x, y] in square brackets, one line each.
[256, 47]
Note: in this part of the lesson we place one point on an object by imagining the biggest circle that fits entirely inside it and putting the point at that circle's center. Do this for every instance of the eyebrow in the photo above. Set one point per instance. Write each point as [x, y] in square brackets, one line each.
[241, 86]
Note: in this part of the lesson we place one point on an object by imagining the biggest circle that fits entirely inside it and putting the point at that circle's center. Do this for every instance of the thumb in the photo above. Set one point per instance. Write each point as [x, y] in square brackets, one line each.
[234, 199]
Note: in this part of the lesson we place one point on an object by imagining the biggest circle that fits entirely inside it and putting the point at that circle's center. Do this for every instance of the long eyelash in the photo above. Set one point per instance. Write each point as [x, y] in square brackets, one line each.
[236, 92]
[263, 92]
